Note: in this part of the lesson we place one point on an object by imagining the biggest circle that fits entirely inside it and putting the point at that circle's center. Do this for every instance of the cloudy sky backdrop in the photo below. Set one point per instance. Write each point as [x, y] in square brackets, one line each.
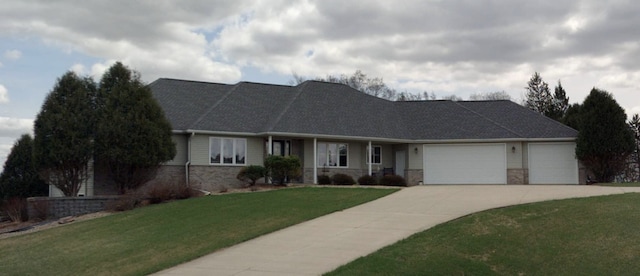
[445, 47]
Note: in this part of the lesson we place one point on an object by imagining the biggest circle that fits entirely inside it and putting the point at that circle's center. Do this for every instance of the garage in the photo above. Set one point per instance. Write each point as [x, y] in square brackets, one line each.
[465, 164]
[553, 163]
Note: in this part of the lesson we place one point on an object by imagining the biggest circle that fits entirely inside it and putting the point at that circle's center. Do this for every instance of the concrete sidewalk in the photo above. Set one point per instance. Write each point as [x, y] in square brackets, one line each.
[321, 245]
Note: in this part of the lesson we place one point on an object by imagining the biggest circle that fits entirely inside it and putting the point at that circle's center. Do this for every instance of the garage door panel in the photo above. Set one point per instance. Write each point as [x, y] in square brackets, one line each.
[553, 163]
[465, 164]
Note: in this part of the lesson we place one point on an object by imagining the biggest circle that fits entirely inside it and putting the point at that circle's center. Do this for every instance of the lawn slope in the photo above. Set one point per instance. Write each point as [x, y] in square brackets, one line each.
[588, 236]
[150, 239]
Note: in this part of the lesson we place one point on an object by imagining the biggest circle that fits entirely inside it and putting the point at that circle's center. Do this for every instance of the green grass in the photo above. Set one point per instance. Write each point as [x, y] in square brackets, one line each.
[590, 236]
[153, 238]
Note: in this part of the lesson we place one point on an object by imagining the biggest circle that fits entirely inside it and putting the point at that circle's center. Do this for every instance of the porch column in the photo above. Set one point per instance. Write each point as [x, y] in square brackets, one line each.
[315, 160]
[269, 153]
[369, 157]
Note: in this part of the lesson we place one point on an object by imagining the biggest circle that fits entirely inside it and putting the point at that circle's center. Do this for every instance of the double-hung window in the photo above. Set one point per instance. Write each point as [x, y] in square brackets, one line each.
[333, 155]
[376, 155]
[227, 151]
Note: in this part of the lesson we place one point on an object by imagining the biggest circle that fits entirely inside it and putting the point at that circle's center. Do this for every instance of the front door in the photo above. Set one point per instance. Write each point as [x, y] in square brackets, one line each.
[281, 147]
[400, 162]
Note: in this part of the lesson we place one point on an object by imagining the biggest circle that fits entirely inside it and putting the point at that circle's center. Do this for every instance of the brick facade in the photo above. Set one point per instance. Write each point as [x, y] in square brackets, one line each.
[517, 176]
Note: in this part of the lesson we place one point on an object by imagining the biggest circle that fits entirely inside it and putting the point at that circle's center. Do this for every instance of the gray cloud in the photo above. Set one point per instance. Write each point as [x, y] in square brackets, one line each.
[461, 46]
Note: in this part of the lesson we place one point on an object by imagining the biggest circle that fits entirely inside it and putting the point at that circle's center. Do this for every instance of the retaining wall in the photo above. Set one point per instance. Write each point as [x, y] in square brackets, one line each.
[59, 207]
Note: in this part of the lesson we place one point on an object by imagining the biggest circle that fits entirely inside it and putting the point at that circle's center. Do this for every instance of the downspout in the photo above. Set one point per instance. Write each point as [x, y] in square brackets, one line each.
[186, 165]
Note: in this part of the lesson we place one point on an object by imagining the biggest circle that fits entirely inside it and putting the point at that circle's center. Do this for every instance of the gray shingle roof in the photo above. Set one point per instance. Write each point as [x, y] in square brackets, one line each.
[338, 110]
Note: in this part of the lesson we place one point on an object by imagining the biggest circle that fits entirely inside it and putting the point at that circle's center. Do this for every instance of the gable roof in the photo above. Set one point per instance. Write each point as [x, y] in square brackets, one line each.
[330, 109]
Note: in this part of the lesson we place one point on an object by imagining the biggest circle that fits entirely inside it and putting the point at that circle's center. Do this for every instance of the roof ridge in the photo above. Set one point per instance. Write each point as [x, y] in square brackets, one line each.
[287, 106]
[214, 106]
[264, 83]
[489, 119]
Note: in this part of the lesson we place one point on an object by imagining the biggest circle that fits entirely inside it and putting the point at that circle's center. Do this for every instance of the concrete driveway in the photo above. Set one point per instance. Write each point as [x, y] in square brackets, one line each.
[321, 245]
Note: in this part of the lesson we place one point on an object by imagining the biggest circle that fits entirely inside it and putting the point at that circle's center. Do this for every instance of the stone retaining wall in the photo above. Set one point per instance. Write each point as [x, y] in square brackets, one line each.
[59, 207]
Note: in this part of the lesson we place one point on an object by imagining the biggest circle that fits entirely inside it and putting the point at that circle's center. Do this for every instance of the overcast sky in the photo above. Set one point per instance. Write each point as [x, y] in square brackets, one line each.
[445, 47]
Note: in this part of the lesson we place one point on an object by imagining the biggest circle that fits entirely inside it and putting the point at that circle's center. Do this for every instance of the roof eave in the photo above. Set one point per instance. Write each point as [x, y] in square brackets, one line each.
[376, 139]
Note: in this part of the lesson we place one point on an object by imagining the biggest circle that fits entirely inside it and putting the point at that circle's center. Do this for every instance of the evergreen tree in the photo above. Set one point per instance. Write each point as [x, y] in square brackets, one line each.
[538, 97]
[63, 142]
[634, 124]
[133, 137]
[604, 140]
[571, 117]
[20, 177]
[559, 104]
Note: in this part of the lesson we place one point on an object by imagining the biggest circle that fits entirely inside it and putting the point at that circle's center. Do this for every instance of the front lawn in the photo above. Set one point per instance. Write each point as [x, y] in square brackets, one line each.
[153, 238]
[589, 236]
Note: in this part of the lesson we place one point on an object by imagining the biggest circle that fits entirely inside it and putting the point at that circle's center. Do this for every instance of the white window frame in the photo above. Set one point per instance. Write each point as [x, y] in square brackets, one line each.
[373, 162]
[327, 146]
[234, 151]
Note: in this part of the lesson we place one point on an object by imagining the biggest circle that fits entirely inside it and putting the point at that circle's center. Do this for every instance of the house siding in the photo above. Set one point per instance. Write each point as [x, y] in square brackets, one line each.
[415, 161]
[181, 141]
[514, 158]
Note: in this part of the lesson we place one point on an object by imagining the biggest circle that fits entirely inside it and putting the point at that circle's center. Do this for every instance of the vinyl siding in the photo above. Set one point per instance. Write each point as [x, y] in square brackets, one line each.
[181, 141]
[514, 159]
[415, 160]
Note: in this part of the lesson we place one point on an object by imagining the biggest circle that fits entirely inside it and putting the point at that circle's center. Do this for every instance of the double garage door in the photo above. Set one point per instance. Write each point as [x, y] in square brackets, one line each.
[549, 163]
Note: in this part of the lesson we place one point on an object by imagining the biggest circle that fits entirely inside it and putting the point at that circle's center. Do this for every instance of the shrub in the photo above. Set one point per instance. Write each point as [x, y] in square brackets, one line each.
[324, 179]
[367, 180]
[16, 209]
[283, 168]
[251, 174]
[126, 202]
[41, 209]
[157, 192]
[393, 180]
[342, 179]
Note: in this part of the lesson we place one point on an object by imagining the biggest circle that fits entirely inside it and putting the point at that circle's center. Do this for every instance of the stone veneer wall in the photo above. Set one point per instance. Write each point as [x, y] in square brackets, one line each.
[517, 176]
[414, 176]
[58, 207]
[214, 178]
[171, 174]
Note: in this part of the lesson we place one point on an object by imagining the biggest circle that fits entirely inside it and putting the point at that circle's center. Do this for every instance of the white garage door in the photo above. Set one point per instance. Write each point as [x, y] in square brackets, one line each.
[465, 164]
[553, 163]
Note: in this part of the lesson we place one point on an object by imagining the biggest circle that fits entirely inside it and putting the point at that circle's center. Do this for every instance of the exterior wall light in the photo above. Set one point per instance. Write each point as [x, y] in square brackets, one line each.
[415, 150]
[513, 149]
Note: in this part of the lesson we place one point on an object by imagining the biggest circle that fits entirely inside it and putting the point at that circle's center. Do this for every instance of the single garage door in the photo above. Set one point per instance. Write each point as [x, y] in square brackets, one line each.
[553, 163]
[465, 164]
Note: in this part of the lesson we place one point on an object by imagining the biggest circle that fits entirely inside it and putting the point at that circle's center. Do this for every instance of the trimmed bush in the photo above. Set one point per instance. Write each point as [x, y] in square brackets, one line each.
[283, 168]
[324, 179]
[251, 174]
[393, 180]
[342, 179]
[367, 180]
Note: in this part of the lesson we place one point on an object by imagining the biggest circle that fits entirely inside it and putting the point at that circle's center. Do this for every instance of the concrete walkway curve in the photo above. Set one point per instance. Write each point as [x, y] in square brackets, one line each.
[322, 244]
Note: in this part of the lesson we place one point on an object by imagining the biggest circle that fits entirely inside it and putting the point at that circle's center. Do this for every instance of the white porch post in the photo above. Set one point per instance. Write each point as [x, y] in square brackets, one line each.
[315, 160]
[269, 153]
[369, 157]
